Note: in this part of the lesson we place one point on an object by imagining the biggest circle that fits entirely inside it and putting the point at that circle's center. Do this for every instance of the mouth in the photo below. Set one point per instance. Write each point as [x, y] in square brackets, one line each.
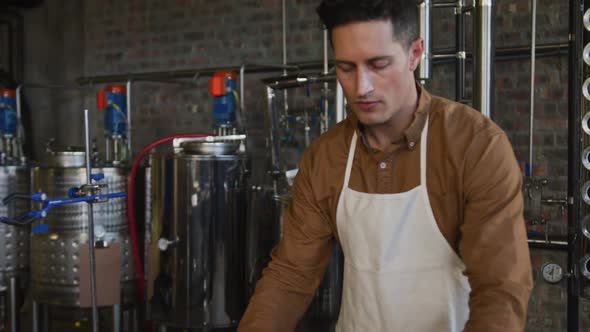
[366, 105]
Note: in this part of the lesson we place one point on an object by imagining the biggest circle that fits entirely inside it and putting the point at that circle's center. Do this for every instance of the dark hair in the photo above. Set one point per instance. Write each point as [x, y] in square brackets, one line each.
[402, 13]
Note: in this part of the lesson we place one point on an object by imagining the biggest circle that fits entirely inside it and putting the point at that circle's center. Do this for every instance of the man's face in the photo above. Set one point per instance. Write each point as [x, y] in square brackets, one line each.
[375, 69]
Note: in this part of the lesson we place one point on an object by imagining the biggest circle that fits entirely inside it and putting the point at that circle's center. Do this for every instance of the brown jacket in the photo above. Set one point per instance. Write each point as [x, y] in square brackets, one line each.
[474, 186]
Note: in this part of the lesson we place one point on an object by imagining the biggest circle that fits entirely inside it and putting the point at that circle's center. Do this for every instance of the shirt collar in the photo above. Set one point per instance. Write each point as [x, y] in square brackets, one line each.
[413, 132]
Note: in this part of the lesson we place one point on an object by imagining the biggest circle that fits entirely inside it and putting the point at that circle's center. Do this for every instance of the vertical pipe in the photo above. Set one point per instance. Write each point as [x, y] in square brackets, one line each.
[36, 316]
[242, 83]
[90, 227]
[284, 37]
[425, 24]
[326, 115]
[575, 70]
[340, 112]
[117, 318]
[483, 57]
[19, 124]
[13, 308]
[135, 321]
[532, 98]
[460, 49]
[45, 317]
[274, 134]
[129, 113]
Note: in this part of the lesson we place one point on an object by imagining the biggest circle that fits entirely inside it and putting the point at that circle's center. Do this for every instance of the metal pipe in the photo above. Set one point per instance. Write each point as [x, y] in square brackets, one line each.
[575, 79]
[117, 318]
[287, 82]
[19, 124]
[129, 117]
[446, 55]
[444, 5]
[532, 98]
[340, 111]
[274, 134]
[460, 51]
[551, 245]
[190, 73]
[284, 36]
[484, 57]
[90, 227]
[36, 316]
[13, 309]
[135, 321]
[54, 86]
[325, 92]
[425, 24]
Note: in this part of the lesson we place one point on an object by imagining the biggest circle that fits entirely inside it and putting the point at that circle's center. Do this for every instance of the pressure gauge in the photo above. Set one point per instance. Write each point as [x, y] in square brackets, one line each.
[552, 273]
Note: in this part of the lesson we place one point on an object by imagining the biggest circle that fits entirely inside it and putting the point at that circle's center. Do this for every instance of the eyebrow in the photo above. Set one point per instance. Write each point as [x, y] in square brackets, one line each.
[374, 59]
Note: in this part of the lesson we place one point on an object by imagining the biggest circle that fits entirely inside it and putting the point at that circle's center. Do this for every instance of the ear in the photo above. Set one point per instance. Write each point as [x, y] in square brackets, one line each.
[415, 53]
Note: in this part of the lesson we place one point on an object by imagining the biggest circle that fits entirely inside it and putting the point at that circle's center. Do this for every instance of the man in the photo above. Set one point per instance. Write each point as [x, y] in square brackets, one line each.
[423, 194]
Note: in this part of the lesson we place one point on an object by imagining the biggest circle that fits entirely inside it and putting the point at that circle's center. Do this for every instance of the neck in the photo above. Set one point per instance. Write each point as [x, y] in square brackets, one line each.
[381, 136]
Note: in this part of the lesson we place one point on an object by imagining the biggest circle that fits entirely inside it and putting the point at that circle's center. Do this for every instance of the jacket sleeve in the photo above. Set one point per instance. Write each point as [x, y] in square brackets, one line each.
[493, 241]
[298, 262]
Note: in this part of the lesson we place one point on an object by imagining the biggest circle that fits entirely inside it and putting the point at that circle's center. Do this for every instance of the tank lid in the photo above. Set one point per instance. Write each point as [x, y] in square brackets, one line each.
[69, 156]
[210, 148]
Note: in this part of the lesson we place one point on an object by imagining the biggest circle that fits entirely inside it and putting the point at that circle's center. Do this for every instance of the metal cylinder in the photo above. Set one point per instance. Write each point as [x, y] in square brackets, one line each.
[196, 256]
[265, 224]
[484, 57]
[425, 24]
[14, 241]
[14, 245]
[57, 255]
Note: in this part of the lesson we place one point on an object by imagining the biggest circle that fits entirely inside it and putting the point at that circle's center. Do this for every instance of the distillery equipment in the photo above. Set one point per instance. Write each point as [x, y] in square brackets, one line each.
[14, 240]
[196, 257]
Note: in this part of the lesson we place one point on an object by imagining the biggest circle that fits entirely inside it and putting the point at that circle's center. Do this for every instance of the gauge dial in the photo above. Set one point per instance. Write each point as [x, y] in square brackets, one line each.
[552, 273]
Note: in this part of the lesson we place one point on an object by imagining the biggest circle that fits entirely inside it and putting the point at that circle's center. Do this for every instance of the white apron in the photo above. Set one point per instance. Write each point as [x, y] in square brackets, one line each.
[400, 273]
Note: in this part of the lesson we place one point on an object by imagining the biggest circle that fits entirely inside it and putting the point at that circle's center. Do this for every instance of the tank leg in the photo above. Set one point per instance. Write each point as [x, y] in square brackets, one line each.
[134, 320]
[36, 317]
[117, 318]
[13, 306]
[45, 317]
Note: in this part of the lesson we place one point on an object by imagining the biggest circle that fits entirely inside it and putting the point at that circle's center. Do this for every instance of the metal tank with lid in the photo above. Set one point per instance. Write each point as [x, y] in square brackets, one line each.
[14, 243]
[60, 257]
[14, 240]
[196, 254]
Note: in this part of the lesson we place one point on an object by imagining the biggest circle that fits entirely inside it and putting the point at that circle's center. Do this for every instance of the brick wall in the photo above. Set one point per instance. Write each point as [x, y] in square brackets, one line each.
[147, 35]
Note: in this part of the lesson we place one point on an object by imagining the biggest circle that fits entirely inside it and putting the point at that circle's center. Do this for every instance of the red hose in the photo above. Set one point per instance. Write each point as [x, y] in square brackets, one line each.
[131, 204]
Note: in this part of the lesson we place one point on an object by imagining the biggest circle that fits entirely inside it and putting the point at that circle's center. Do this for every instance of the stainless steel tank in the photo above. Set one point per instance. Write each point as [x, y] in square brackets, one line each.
[196, 256]
[265, 220]
[14, 246]
[59, 257]
[14, 240]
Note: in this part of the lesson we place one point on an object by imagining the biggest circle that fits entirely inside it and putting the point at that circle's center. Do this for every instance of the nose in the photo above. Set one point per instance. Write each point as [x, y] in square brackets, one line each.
[364, 82]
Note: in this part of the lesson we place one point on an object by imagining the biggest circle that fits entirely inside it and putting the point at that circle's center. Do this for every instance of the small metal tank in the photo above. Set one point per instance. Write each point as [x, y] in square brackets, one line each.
[196, 255]
[14, 240]
[59, 257]
[14, 245]
[265, 221]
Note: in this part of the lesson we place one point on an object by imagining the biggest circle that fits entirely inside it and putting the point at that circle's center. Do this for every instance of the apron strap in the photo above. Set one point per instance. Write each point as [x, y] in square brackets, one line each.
[423, 139]
[350, 159]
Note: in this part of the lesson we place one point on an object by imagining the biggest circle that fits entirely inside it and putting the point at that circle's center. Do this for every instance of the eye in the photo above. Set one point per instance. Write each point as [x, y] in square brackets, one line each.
[345, 67]
[381, 63]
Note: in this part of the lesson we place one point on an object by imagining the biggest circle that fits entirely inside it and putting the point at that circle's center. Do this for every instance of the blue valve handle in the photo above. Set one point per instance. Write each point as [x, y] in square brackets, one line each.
[48, 204]
[97, 176]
